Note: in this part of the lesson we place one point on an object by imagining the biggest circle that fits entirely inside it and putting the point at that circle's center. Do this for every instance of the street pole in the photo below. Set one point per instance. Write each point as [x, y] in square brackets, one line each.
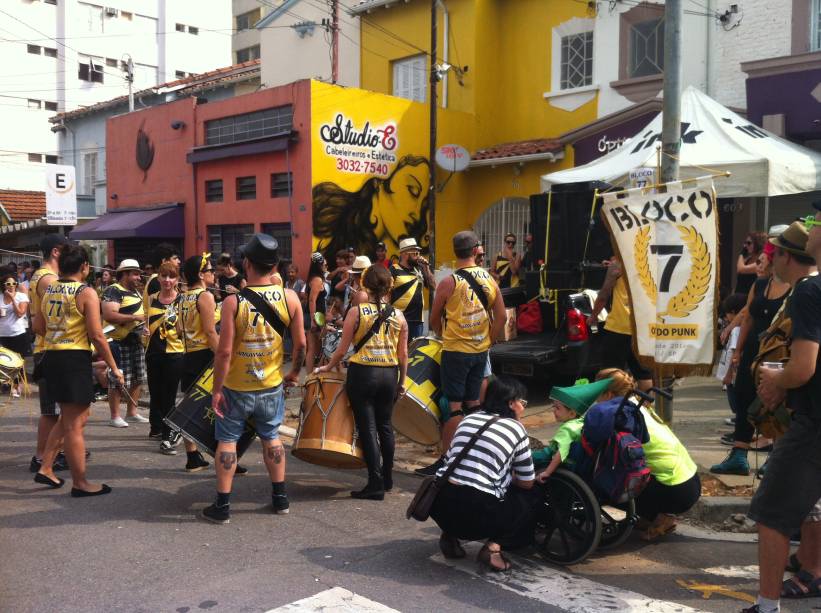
[335, 41]
[432, 150]
[129, 77]
[670, 140]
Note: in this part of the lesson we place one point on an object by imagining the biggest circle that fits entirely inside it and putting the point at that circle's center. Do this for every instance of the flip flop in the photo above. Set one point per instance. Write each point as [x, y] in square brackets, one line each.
[803, 585]
[486, 553]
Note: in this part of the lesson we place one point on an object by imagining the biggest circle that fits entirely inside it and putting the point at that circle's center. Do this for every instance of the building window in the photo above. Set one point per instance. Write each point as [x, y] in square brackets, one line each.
[127, 15]
[247, 20]
[49, 52]
[50, 106]
[213, 190]
[246, 188]
[193, 30]
[179, 74]
[247, 54]
[54, 2]
[180, 27]
[283, 233]
[239, 128]
[51, 159]
[91, 71]
[228, 239]
[33, 49]
[89, 173]
[646, 48]
[815, 26]
[410, 77]
[35, 157]
[577, 60]
[281, 184]
[111, 62]
[33, 104]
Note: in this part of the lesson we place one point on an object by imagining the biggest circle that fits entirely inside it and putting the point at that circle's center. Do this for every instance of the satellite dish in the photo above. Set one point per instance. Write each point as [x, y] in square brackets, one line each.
[453, 158]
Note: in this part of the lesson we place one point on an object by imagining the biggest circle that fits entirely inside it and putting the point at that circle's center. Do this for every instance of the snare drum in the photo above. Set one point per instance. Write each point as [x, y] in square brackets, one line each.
[416, 415]
[11, 366]
[327, 433]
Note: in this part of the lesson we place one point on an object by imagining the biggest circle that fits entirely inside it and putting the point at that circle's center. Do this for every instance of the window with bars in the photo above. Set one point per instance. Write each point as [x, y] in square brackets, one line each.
[577, 60]
[247, 20]
[246, 188]
[815, 26]
[502, 217]
[247, 54]
[239, 128]
[213, 190]
[282, 232]
[229, 238]
[646, 48]
[281, 184]
[410, 77]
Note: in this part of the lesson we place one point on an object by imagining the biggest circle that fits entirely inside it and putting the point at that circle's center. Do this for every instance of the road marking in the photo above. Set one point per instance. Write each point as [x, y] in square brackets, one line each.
[573, 593]
[736, 572]
[707, 590]
[335, 600]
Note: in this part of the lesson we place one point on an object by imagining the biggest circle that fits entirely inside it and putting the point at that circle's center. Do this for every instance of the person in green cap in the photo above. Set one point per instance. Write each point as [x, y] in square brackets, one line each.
[570, 405]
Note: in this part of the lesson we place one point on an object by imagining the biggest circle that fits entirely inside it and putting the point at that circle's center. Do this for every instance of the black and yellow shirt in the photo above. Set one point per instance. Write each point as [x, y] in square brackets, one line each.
[152, 286]
[467, 324]
[39, 342]
[65, 325]
[506, 276]
[162, 325]
[256, 361]
[193, 336]
[407, 292]
[380, 350]
[131, 303]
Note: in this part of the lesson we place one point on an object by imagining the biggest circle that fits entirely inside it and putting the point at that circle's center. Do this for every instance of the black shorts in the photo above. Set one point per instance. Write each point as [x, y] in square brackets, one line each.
[48, 407]
[69, 378]
[462, 375]
[18, 344]
[792, 482]
[617, 352]
[192, 366]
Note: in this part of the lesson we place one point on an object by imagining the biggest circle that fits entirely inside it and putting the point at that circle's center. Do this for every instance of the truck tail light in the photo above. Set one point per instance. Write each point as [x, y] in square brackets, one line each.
[576, 326]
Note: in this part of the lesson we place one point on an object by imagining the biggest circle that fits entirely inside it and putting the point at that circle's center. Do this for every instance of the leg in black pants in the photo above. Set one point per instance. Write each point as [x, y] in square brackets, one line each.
[164, 371]
[669, 499]
[154, 367]
[371, 390]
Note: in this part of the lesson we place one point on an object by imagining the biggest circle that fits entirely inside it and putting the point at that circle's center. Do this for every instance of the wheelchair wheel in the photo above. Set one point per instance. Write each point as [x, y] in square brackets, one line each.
[617, 524]
[569, 525]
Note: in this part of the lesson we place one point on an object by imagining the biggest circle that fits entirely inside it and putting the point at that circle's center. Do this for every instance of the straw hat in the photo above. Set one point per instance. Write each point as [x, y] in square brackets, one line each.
[793, 239]
[408, 244]
[360, 264]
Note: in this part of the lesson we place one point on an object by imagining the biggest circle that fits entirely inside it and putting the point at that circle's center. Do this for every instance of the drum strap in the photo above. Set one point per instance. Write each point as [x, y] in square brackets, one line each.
[474, 285]
[264, 309]
[383, 317]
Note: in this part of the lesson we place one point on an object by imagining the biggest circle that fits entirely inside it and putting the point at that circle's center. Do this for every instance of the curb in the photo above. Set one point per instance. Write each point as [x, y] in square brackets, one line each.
[717, 509]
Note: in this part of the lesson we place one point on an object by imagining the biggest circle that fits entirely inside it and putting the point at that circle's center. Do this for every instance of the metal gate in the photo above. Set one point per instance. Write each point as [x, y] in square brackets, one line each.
[506, 216]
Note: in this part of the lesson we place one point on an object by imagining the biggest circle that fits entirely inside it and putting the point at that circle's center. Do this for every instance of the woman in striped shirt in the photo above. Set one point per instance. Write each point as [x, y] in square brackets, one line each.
[490, 493]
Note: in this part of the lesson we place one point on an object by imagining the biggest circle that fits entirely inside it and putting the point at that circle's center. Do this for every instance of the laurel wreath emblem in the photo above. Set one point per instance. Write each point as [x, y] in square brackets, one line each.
[694, 291]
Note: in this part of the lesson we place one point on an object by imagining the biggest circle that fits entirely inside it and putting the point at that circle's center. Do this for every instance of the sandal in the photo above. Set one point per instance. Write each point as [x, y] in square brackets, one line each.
[793, 565]
[485, 557]
[803, 585]
[663, 524]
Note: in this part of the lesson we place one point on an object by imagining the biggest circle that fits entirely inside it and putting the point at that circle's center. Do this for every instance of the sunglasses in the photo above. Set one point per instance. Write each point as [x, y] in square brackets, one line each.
[511, 242]
[748, 242]
[208, 270]
[11, 284]
[810, 221]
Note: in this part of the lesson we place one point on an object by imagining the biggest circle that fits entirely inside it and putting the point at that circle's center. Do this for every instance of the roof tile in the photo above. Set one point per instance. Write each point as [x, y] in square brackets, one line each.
[23, 205]
[522, 147]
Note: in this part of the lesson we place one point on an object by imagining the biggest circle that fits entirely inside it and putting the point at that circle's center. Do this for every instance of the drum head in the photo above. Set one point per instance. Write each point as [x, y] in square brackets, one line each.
[329, 458]
[10, 359]
[412, 420]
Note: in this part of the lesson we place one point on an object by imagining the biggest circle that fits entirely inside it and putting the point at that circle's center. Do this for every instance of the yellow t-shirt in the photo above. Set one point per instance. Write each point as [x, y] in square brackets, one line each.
[256, 360]
[39, 342]
[618, 320]
[380, 350]
[467, 324]
[65, 325]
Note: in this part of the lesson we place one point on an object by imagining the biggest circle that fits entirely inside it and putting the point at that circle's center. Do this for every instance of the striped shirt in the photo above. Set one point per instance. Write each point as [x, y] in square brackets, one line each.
[501, 453]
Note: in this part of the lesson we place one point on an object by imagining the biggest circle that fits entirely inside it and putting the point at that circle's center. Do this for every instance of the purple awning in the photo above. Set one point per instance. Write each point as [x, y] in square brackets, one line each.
[163, 221]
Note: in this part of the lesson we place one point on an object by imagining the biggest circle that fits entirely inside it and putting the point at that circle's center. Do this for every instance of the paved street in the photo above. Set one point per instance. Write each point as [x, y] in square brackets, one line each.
[142, 548]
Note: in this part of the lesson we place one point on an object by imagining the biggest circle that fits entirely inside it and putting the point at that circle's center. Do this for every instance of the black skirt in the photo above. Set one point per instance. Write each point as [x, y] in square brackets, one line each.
[68, 375]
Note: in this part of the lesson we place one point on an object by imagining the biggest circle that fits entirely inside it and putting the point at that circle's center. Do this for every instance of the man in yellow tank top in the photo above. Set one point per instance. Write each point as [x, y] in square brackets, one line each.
[248, 380]
[466, 327]
[49, 410]
[617, 344]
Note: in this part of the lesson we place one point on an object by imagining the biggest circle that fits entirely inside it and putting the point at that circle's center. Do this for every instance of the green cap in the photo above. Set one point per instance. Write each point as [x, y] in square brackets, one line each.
[578, 398]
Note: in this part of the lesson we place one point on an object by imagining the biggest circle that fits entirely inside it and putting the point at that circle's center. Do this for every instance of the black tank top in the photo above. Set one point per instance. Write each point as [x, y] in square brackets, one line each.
[762, 310]
[320, 299]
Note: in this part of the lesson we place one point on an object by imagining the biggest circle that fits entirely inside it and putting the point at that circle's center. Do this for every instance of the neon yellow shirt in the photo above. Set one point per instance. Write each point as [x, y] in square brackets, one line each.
[568, 433]
[667, 458]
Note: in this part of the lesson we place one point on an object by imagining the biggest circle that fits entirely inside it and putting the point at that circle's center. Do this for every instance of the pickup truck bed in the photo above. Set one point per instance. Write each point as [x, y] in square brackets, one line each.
[525, 354]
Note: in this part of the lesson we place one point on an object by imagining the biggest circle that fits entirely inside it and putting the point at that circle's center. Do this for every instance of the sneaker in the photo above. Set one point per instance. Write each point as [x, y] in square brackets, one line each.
[753, 609]
[136, 419]
[280, 504]
[728, 439]
[166, 448]
[217, 515]
[240, 470]
[118, 422]
[430, 471]
[196, 464]
[759, 474]
[15, 394]
[155, 434]
[734, 464]
[176, 438]
[100, 397]
[730, 421]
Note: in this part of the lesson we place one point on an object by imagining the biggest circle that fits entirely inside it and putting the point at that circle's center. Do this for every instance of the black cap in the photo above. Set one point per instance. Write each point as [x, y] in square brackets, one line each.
[380, 246]
[465, 240]
[817, 205]
[261, 249]
[50, 242]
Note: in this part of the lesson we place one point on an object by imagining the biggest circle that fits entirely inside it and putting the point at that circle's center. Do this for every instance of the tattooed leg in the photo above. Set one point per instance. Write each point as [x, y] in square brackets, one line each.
[226, 464]
[274, 455]
[228, 460]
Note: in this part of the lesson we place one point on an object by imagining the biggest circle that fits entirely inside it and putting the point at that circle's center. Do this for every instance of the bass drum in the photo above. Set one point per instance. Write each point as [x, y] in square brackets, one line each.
[327, 433]
[11, 366]
[416, 415]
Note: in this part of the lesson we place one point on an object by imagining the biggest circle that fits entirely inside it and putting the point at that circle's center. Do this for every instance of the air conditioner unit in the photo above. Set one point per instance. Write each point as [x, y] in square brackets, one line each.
[111, 12]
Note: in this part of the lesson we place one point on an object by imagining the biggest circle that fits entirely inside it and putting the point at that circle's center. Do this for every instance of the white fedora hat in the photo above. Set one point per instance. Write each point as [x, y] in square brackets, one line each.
[406, 244]
[128, 264]
[361, 264]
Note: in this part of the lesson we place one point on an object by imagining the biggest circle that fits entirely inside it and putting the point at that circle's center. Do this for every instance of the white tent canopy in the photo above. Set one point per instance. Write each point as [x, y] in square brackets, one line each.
[713, 137]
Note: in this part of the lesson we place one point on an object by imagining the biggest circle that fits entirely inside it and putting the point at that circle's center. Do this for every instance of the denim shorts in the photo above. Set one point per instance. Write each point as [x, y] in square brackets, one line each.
[462, 375]
[267, 407]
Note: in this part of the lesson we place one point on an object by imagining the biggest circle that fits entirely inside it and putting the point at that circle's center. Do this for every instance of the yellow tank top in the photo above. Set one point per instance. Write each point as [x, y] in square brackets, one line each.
[65, 325]
[162, 324]
[380, 350]
[618, 320]
[467, 324]
[131, 303]
[39, 342]
[256, 362]
[194, 338]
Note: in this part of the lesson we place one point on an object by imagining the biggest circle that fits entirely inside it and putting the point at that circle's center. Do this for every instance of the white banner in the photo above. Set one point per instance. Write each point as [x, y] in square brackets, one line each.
[61, 196]
[667, 244]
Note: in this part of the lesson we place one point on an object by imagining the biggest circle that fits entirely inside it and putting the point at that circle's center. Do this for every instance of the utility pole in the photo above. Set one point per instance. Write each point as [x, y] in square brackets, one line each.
[334, 41]
[129, 77]
[670, 139]
[434, 80]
